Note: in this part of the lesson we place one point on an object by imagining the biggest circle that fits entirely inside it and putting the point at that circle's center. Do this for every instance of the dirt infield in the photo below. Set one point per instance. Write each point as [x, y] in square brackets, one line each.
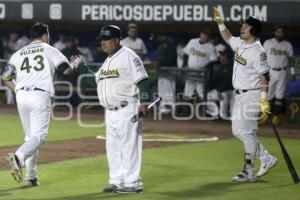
[73, 149]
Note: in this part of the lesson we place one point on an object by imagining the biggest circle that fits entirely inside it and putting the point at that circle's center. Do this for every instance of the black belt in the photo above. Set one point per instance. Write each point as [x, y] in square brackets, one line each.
[240, 91]
[279, 69]
[243, 91]
[115, 108]
[29, 89]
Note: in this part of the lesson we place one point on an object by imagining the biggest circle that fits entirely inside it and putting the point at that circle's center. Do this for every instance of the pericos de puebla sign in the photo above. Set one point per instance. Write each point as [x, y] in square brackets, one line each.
[167, 13]
[148, 11]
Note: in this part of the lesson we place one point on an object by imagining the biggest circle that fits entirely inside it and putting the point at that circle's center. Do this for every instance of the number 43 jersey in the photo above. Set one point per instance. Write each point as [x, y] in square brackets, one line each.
[35, 65]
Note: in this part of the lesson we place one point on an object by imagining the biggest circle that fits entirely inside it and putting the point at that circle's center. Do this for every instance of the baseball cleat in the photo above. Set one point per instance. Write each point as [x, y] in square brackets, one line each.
[32, 183]
[245, 176]
[110, 188]
[266, 166]
[16, 169]
[128, 190]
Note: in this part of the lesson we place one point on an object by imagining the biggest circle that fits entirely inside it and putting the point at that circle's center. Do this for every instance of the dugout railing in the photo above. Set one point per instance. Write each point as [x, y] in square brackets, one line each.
[181, 74]
[63, 89]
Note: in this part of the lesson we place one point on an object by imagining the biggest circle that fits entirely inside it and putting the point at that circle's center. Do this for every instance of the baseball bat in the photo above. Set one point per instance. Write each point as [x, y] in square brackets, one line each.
[286, 156]
[140, 114]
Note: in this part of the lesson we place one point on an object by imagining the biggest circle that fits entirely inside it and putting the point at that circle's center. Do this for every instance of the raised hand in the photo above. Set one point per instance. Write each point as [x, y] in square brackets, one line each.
[217, 16]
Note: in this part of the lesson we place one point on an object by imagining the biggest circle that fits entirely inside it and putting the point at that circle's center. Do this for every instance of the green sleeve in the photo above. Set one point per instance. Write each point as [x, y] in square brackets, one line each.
[144, 88]
[62, 67]
[89, 80]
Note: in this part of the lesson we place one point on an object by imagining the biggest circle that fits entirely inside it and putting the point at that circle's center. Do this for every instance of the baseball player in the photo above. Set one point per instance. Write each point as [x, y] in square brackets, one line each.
[280, 58]
[121, 81]
[33, 68]
[133, 41]
[250, 81]
[200, 53]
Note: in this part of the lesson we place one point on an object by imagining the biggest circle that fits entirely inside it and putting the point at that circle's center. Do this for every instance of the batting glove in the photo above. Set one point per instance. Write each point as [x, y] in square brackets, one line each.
[217, 16]
[265, 107]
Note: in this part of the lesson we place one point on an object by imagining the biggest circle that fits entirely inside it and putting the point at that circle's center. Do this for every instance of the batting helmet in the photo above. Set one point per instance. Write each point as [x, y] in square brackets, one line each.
[110, 31]
[256, 25]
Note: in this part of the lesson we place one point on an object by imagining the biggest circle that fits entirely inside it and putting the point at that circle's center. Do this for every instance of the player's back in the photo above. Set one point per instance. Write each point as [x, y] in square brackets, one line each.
[34, 66]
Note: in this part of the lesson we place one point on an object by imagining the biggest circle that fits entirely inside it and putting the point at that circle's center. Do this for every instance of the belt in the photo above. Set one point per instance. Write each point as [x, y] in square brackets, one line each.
[279, 69]
[32, 89]
[240, 91]
[243, 91]
[115, 108]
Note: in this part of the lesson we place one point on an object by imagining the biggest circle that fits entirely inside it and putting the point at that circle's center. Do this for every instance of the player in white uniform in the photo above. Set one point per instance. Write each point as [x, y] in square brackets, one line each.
[280, 58]
[33, 68]
[200, 53]
[121, 81]
[133, 41]
[250, 81]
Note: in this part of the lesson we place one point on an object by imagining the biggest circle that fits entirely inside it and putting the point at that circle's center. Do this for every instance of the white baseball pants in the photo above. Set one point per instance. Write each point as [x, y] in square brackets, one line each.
[166, 90]
[34, 110]
[244, 122]
[124, 146]
[191, 86]
[226, 104]
[277, 84]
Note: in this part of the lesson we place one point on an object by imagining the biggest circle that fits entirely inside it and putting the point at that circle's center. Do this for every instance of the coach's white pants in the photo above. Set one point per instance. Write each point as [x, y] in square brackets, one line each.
[166, 90]
[277, 84]
[244, 122]
[123, 146]
[34, 111]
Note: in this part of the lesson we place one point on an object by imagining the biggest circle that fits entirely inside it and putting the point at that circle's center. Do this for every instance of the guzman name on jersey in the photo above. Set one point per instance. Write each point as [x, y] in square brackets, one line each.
[31, 51]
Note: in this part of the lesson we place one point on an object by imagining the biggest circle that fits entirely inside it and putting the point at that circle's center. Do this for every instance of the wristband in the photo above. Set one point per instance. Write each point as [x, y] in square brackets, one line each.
[263, 95]
[222, 27]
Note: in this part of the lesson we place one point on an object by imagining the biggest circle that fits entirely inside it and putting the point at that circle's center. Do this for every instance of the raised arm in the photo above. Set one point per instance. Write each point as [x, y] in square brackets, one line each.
[220, 21]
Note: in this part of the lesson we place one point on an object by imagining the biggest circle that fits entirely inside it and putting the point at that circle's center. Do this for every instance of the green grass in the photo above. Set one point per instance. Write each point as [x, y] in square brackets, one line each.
[12, 134]
[189, 171]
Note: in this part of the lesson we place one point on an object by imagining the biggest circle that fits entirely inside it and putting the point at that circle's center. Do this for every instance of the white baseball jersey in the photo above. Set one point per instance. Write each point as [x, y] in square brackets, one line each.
[35, 65]
[249, 62]
[136, 45]
[278, 53]
[118, 76]
[199, 54]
